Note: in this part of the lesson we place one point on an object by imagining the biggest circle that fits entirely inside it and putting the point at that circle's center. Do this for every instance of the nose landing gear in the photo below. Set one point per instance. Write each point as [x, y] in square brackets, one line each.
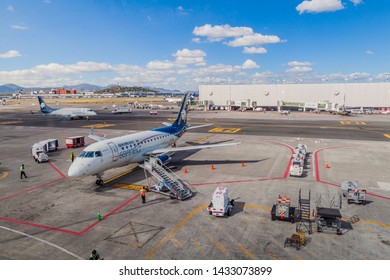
[99, 180]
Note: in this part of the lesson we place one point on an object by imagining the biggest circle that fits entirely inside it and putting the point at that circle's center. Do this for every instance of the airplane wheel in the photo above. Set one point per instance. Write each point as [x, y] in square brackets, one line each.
[99, 182]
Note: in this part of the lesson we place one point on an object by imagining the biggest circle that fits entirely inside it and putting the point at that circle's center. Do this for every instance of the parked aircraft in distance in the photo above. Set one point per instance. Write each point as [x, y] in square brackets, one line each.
[134, 148]
[69, 113]
[172, 99]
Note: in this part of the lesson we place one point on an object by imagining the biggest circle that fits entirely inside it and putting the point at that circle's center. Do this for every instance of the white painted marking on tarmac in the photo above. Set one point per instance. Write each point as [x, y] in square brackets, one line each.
[44, 241]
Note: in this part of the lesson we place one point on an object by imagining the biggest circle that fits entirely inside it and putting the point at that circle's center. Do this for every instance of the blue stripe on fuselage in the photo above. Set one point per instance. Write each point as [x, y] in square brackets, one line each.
[178, 131]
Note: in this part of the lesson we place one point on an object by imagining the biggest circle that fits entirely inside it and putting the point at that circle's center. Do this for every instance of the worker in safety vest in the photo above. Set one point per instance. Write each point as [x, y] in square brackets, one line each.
[22, 172]
[143, 194]
[94, 255]
[72, 156]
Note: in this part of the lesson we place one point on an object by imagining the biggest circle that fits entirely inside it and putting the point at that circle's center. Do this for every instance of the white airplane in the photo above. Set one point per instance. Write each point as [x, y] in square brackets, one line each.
[134, 148]
[172, 99]
[69, 113]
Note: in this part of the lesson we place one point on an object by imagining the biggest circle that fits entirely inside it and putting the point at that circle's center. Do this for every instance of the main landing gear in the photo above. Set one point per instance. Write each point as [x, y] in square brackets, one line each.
[99, 180]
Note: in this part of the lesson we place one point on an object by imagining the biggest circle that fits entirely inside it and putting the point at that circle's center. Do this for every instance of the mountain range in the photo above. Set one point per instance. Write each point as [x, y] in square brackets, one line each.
[12, 88]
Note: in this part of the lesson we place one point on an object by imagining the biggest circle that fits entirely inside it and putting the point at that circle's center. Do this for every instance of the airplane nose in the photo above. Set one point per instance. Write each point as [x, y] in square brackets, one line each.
[73, 171]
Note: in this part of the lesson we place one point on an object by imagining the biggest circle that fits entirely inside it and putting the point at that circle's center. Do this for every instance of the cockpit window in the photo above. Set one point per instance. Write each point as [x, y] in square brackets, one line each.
[89, 154]
[82, 154]
[98, 154]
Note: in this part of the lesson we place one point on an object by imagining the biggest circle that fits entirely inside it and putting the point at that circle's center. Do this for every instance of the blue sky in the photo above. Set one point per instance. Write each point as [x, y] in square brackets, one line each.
[181, 44]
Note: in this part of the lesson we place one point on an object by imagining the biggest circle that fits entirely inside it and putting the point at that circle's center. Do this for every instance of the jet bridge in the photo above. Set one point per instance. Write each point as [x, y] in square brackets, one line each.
[164, 181]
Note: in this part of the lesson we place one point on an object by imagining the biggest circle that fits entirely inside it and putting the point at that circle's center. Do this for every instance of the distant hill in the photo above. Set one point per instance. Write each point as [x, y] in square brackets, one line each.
[9, 88]
[12, 88]
[163, 90]
[84, 87]
[117, 89]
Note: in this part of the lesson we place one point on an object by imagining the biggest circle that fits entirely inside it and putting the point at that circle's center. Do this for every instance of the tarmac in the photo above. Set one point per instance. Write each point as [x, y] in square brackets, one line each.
[49, 216]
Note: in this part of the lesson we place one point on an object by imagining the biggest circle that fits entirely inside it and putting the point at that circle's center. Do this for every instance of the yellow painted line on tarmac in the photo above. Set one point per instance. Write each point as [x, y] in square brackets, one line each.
[383, 225]
[120, 175]
[386, 135]
[218, 245]
[99, 125]
[171, 234]
[174, 119]
[275, 256]
[5, 174]
[10, 122]
[175, 242]
[128, 186]
[246, 251]
[198, 246]
[224, 130]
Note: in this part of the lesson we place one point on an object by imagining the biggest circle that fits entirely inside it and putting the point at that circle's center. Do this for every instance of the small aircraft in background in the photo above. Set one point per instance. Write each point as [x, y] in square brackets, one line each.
[68, 113]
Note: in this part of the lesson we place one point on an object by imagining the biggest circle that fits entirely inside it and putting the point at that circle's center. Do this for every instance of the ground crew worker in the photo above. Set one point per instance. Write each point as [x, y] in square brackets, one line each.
[94, 255]
[72, 156]
[143, 194]
[22, 173]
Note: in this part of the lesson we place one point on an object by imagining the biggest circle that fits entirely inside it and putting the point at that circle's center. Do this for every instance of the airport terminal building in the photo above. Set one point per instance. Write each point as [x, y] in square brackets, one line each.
[305, 96]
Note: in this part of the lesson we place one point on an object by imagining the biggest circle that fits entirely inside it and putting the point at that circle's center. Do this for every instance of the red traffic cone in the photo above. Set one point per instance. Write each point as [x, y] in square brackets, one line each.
[242, 164]
[326, 165]
[212, 167]
[185, 170]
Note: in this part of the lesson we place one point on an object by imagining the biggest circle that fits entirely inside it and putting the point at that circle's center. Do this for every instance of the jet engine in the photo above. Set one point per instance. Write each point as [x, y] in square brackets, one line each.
[164, 158]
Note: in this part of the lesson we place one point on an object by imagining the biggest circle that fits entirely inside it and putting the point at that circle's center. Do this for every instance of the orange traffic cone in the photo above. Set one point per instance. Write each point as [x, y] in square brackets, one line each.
[212, 167]
[326, 165]
[185, 170]
[242, 164]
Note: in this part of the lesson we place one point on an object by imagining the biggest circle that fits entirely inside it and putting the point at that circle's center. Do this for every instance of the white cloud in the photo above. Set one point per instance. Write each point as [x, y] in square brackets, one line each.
[254, 39]
[196, 40]
[319, 6]
[252, 50]
[160, 65]
[250, 64]
[369, 52]
[300, 69]
[10, 8]
[19, 26]
[186, 56]
[298, 63]
[10, 54]
[218, 32]
[356, 2]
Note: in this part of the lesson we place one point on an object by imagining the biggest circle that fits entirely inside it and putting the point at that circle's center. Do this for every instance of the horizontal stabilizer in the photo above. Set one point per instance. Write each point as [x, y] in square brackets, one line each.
[95, 137]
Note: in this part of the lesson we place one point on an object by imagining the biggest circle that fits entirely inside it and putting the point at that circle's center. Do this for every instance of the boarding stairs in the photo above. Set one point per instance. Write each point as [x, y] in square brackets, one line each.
[305, 220]
[164, 181]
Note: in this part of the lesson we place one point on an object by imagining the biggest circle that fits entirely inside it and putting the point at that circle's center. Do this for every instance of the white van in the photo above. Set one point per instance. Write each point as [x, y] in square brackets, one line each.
[220, 203]
[38, 153]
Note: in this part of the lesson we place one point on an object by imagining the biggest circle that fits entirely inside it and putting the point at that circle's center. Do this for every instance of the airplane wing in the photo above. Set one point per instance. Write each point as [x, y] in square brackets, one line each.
[197, 126]
[95, 137]
[189, 148]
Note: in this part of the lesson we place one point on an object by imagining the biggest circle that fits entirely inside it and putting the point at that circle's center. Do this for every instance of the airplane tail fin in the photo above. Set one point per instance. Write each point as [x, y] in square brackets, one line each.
[44, 108]
[182, 116]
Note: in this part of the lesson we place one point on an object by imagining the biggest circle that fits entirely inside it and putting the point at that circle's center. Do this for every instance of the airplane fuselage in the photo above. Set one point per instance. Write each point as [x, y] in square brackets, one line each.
[73, 112]
[120, 151]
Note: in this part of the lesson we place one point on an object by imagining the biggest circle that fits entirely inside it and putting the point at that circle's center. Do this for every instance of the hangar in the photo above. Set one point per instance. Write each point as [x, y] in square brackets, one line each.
[313, 96]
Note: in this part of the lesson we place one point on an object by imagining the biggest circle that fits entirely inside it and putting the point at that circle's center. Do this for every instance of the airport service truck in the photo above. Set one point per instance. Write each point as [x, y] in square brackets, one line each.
[220, 203]
[38, 153]
[121, 110]
[351, 190]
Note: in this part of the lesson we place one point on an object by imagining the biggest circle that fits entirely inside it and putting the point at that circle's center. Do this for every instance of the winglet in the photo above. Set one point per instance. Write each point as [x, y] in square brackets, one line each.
[95, 137]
